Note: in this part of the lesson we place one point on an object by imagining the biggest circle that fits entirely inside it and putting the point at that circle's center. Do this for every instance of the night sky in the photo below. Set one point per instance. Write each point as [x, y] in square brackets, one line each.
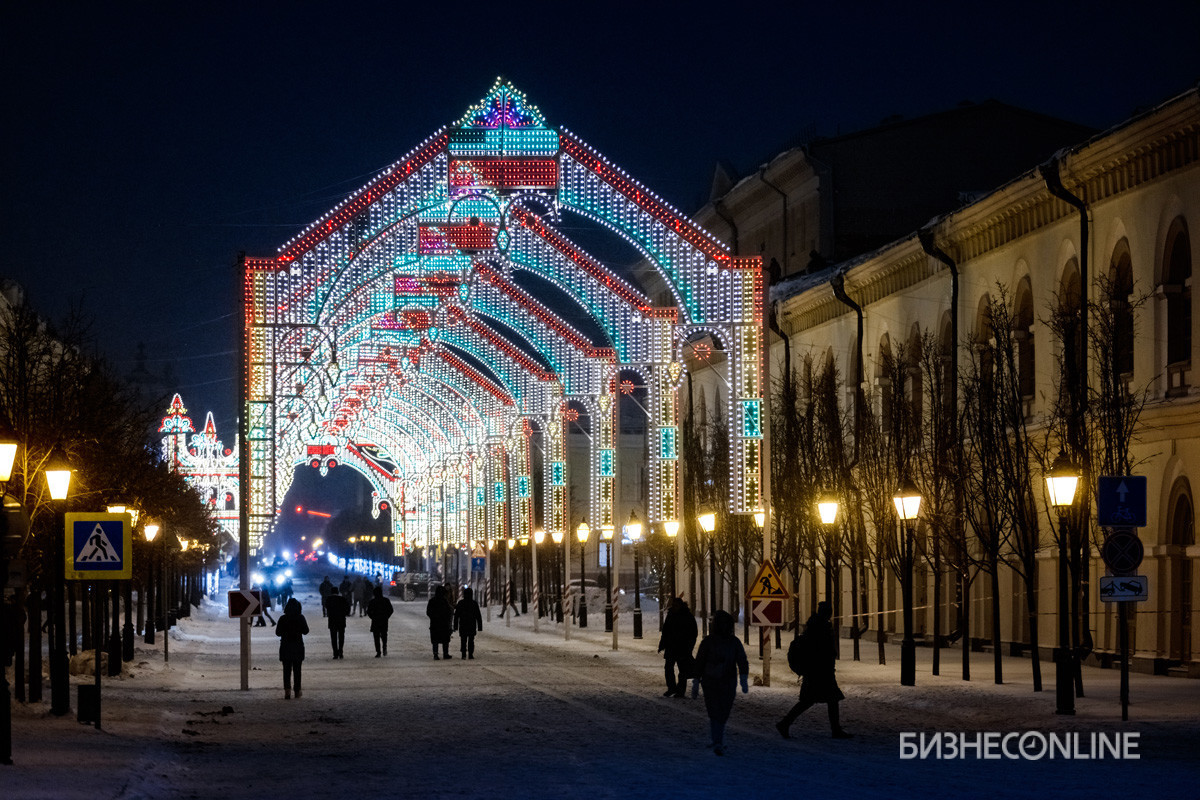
[146, 144]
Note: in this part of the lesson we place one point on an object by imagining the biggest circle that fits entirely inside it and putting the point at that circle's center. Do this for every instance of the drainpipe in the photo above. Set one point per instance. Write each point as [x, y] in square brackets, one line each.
[837, 282]
[1050, 172]
[762, 173]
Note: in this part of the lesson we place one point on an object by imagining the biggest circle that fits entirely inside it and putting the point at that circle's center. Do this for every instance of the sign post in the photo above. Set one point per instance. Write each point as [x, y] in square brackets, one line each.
[765, 605]
[1120, 509]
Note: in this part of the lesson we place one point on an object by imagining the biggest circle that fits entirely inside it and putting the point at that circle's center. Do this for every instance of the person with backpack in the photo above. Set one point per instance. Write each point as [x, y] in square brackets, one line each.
[720, 662]
[676, 643]
[812, 655]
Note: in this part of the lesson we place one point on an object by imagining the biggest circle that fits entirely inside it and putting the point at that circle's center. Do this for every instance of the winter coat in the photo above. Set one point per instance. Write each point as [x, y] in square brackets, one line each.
[678, 632]
[721, 657]
[441, 616]
[365, 589]
[820, 684]
[346, 589]
[290, 629]
[467, 618]
[378, 611]
[338, 608]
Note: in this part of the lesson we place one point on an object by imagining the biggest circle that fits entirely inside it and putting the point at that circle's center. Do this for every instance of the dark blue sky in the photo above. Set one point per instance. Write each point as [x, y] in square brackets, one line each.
[147, 143]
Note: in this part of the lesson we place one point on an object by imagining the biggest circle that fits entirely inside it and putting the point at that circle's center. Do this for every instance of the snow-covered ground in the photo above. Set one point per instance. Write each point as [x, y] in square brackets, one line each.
[535, 715]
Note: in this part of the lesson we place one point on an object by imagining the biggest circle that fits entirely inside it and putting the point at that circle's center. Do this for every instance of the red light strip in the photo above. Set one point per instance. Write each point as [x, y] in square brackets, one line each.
[645, 199]
[483, 382]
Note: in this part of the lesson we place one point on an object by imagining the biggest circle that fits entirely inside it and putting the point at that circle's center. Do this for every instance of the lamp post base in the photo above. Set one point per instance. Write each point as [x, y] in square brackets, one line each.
[608, 618]
[582, 613]
[637, 623]
[908, 663]
[1064, 681]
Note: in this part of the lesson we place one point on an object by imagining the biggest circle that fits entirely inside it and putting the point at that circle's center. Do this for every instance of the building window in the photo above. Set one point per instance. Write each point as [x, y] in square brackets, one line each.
[1182, 535]
[1023, 335]
[1177, 288]
[1121, 305]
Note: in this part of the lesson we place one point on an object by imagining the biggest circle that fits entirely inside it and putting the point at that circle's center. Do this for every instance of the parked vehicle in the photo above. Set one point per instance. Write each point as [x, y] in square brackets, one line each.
[411, 585]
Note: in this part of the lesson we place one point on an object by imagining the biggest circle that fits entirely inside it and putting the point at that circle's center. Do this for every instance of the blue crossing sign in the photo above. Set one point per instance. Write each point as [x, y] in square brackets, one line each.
[1121, 501]
[99, 546]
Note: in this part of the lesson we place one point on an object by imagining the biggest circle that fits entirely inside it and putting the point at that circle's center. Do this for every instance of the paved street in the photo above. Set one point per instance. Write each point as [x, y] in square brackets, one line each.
[534, 715]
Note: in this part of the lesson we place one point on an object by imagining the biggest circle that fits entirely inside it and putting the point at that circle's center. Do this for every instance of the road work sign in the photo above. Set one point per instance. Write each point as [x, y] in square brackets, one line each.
[767, 585]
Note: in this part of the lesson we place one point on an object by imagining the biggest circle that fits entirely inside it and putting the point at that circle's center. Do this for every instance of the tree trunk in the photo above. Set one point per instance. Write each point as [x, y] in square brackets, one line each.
[994, 573]
[880, 634]
[34, 608]
[964, 623]
[1034, 653]
[937, 609]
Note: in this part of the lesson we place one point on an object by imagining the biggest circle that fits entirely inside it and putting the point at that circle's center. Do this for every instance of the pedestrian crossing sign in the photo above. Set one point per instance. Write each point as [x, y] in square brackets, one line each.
[767, 585]
[99, 546]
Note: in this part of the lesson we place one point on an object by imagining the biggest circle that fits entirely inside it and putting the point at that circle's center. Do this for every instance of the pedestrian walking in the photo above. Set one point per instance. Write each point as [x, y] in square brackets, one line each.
[379, 609]
[338, 609]
[290, 629]
[364, 591]
[441, 617]
[676, 643]
[510, 599]
[467, 621]
[720, 662]
[819, 684]
[264, 588]
[324, 588]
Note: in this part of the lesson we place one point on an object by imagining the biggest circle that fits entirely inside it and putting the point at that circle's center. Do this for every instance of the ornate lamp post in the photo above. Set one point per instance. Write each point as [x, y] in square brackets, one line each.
[606, 536]
[582, 533]
[671, 528]
[1061, 483]
[151, 531]
[539, 536]
[827, 508]
[908, 505]
[556, 536]
[708, 523]
[8, 454]
[633, 529]
[58, 482]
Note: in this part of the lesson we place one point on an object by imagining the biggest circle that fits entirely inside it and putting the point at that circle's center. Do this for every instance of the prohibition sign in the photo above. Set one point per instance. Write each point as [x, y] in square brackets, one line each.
[1122, 551]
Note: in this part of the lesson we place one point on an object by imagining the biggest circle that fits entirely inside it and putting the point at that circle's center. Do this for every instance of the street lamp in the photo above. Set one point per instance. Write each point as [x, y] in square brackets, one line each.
[556, 536]
[151, 531]
[908, 505]
[120, 642]
[671, 528]
[827, 508]
[606, 536]
[1061, 483]
[8, 454]
[582, 533]
[708, 523]
[633, 529]
[58, 483]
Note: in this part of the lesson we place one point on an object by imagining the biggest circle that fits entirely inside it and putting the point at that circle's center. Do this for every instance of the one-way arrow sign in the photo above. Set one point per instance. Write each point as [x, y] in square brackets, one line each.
[244, 603]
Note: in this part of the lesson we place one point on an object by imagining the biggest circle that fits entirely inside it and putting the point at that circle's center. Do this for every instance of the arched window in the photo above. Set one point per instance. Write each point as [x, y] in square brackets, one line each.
[1182, 534]
[985, 341]
[914, 383]
[1177, 288]
[948, 348]
[883, 382]
[1121, 305]
[1023, 335]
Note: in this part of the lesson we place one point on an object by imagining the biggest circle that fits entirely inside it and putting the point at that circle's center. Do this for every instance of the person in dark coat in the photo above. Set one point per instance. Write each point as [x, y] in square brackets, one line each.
[363, 592]
[324, 588]
[676, 643]
[819, 684]
[720, 663]
[378, 611]
[291, 628]
[441, 617]
[467, 621]
[337, 609]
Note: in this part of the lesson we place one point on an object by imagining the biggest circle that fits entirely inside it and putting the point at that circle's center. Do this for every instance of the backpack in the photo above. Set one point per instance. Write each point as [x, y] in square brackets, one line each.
[798, 655]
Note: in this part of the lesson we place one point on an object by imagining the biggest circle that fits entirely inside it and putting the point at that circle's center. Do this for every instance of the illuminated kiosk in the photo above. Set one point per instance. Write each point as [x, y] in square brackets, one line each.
[429, 315]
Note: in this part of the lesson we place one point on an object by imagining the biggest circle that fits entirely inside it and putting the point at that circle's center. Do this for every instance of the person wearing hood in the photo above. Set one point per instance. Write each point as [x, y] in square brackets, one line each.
[676, 643]
[441, 617]
[379, 609]
[467, 621]
[720, 663]
[819, 684]
[291, 628]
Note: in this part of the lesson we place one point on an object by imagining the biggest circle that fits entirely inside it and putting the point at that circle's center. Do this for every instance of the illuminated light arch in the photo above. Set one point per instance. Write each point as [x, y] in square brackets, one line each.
[366, 323]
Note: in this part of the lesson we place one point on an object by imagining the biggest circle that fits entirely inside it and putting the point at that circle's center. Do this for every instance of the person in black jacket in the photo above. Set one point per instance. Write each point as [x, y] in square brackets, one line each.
[441, 617]
[676, 643]
[290, 629]
[720, 663]
[467, 620]
[337, 609]
[379, 609]
[819, 684]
